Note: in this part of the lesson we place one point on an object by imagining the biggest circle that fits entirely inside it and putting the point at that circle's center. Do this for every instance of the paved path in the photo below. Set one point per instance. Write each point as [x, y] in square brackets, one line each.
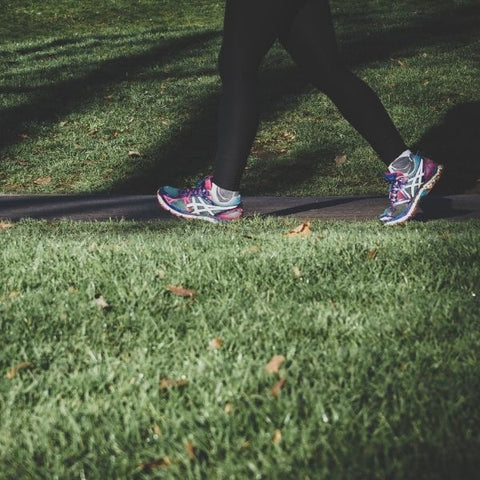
[144, 207]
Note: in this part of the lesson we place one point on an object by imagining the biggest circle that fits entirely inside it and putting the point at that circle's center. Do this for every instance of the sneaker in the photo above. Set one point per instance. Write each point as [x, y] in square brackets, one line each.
[197, 203]
[411, 178]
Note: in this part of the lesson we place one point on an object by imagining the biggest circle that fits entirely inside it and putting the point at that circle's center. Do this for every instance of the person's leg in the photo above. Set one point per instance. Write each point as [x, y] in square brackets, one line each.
[250, 29]
[310, 40]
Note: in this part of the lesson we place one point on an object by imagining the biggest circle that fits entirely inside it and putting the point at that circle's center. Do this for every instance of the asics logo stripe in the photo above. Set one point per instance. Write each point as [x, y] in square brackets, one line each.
[198, 205]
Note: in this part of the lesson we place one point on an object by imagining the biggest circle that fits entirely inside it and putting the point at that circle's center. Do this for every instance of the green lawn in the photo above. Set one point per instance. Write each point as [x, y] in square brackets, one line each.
[106, 373]
[379, 329]
[83, 84]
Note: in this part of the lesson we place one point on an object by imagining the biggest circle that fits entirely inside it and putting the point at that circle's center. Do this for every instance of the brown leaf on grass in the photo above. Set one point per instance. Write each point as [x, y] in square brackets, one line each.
[14, 294]
[273, 366]
[302, 230]
[340, 159]
[190, 448]
[157, 430]
[253, 249]
[228, 408]
[160, 273]
[101, 302]
[277, 436]
[166, 383]
[134, 154]
[297, 272]
[42, 181]
[372, 254]
[92, 132]
[275, 390]
[72, 289]
[181, 291]
[215, 343]
[401, 63]
[5, 225]
[163, 462]
[12, 373]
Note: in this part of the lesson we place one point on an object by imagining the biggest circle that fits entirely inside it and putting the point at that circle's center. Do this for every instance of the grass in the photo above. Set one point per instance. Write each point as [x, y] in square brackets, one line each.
[107, 373]
[379, 329]
[85, 83]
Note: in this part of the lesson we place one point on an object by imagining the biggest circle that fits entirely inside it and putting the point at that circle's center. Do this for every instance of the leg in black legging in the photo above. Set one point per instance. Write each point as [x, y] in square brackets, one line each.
[250, 28]
[310, 40]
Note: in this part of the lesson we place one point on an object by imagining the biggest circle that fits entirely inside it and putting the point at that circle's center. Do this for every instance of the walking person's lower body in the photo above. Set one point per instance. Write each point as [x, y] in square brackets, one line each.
[305, 30]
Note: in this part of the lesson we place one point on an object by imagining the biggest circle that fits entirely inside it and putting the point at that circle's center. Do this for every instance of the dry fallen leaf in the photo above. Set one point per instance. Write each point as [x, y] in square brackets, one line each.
[12, 373]
[275, 390]
[253, 249]
[190, 448]
[134, 154]
[166, 383]
[72, 289]
[92, 132]
[157, 430]
[42, 181]
[14, 294]
[101, 302]
[228, 408]
[372, 254]
[297, 271]
[5, 225]
[277, 436]
[160, 463]
[215, 343]
[401, 64]
[160, 273]
[273, 366]
[181, 291]
[340, 159]
[302, 229]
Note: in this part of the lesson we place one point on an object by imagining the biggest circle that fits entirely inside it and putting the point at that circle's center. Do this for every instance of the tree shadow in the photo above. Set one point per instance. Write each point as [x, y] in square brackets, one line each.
[57, 99]
[455, 143]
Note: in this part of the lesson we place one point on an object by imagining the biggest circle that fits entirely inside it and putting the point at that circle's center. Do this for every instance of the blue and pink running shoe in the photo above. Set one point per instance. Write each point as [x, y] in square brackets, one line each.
[411, 178]
[199, 203]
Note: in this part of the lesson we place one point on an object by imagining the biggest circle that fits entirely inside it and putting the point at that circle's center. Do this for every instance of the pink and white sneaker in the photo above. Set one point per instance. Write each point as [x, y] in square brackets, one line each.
[198, 203]
[411, 178]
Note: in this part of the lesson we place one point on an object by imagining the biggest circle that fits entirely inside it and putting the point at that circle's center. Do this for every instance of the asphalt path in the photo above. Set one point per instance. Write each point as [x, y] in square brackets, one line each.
[145, 207]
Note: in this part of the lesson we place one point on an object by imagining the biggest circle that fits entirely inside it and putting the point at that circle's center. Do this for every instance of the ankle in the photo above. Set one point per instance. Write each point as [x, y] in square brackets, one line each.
[222, 196]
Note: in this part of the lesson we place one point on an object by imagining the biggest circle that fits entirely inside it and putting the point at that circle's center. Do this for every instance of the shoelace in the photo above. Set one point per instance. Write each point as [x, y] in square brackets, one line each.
[396, 182]
[198, 190]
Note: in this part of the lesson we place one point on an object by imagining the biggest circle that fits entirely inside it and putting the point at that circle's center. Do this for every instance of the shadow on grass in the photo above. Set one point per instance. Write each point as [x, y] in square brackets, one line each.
[62, 97]
[455, 143]
[191, 149]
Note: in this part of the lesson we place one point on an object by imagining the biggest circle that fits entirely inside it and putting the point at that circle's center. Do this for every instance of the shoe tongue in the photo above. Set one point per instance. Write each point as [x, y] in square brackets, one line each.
[403, 165]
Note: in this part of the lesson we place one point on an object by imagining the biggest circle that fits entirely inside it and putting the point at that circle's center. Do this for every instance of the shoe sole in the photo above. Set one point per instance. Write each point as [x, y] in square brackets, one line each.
[187, 216]
[424, 191]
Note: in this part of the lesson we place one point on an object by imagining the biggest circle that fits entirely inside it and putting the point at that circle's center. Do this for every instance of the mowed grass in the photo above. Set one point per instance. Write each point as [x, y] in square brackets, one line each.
[118, 96]
[379, 329]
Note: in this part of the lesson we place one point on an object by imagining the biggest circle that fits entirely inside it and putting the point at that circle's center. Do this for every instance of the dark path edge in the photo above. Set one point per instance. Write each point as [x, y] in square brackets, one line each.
[144, 207]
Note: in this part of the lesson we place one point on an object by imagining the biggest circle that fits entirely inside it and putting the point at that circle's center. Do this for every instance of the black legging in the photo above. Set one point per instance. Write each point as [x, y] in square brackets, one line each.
[305, 29]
